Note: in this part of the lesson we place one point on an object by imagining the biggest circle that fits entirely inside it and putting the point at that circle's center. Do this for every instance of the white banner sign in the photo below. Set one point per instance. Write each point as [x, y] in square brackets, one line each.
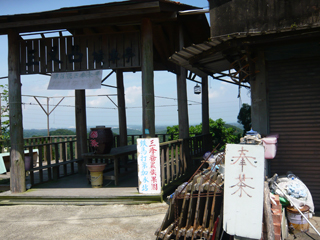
[149, 165]
[243, 190]
[75, 80]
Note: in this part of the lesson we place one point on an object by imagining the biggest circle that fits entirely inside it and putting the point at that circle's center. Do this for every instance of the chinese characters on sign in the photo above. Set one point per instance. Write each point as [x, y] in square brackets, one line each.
[76, 80]
[243, 190]
[242, 160]
[93, 142]
[149, 165]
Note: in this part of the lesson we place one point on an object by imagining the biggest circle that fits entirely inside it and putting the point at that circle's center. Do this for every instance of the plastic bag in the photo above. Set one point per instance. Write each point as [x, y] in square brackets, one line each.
[296, 190]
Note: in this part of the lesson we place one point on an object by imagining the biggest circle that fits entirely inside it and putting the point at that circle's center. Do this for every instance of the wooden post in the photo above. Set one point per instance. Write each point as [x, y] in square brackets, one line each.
[182, 104]
[17, 171]
[206, 144]
[205, 106]
[148, 112]
[121, 109]
[267, 214]
[259, 108]
[81, 127]
[182, 95]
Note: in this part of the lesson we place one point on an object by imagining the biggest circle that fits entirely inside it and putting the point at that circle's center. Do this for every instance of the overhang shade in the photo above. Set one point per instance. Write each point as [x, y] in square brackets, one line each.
[228, 55]
[187, 59]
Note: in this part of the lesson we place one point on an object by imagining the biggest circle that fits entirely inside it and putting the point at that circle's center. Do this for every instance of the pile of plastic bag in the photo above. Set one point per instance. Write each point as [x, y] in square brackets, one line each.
[297, 191]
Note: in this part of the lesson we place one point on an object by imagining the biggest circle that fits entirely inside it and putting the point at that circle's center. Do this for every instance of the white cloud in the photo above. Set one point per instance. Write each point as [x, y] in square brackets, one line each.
[133, 94]
[217, 93]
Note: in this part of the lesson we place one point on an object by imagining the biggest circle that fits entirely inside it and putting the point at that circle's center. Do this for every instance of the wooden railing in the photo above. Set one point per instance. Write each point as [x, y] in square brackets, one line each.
[173, 161]
[55, 160]
[132, 139]
[180, 156]
[57, 156]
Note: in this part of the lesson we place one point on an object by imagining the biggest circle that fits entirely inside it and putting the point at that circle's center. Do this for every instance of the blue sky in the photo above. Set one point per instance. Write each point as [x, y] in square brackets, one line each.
[223, 101]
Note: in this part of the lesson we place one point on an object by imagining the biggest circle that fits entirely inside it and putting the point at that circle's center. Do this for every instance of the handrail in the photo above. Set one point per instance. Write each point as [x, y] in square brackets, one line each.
[177, 157]
[169, 142]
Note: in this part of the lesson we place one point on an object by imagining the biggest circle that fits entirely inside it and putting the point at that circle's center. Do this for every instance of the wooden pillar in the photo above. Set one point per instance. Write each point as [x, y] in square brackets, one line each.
[182, 95]
[17, 170]
[121, 109]
[205, 106]
[207, 140]
[81, 127]
[259, 110]
[148, 110]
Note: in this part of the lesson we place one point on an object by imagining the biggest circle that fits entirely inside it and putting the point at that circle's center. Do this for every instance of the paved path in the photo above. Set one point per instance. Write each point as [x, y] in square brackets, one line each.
[81, 222]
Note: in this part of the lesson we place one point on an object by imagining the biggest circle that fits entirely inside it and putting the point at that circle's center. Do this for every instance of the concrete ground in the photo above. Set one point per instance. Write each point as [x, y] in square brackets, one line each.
[311, 234]
[81, 222]
[121, 222]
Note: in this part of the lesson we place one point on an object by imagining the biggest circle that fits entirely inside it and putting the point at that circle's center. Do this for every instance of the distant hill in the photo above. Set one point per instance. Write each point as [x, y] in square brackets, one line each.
[238, 125]
[131, 130]
[237, 129]
[27, 133]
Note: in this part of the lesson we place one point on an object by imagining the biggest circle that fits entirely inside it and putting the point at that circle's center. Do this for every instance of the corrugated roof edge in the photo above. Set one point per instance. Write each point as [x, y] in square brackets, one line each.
[253, 32]
[75, 8]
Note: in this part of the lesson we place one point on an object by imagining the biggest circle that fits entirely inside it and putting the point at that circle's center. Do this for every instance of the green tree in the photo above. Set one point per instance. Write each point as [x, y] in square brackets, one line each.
[220, 133]
[244, 117]
[5, 124]
[174, 131]
[61, 132]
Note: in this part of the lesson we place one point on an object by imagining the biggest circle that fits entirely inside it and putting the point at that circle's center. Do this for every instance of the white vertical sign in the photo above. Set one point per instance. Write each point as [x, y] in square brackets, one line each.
[149, 165]
[243, 190]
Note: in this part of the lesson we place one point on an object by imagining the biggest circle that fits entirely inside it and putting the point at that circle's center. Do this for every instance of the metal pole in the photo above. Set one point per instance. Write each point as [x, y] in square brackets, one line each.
[48, 117]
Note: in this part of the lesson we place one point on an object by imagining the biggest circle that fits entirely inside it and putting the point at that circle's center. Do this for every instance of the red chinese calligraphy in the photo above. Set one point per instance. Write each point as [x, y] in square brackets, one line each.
[93, 134]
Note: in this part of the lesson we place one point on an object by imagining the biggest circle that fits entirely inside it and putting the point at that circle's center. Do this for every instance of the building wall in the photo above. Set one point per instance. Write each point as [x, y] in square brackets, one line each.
[230, 16]
[293, 86]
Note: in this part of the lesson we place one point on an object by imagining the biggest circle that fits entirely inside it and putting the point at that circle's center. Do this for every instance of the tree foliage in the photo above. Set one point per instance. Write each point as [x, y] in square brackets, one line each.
[220, 133]
[61, 132]
[244, 117]
[174, 131]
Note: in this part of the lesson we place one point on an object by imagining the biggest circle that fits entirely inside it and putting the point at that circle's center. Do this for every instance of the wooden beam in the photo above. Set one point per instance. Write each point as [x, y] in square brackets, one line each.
[81, 127]
[148, 109]
[121, 109]
[144, 8]
[17, 171]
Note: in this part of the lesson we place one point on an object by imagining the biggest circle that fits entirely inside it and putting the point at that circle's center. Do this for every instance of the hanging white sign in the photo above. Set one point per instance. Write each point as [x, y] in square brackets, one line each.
[149, 165]
[75, 80]
[243, 190]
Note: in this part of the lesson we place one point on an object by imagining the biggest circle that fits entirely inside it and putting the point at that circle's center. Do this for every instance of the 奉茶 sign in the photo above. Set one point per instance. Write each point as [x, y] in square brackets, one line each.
[243, 190]
[149, 165]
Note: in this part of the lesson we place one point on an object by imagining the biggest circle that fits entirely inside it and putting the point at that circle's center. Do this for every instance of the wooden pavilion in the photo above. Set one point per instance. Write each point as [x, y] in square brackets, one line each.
[124, 36]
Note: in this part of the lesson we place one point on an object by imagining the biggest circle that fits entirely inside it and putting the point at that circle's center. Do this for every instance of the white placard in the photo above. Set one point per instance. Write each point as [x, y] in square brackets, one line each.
[243, 190]
[149, 165]
[75, 80]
